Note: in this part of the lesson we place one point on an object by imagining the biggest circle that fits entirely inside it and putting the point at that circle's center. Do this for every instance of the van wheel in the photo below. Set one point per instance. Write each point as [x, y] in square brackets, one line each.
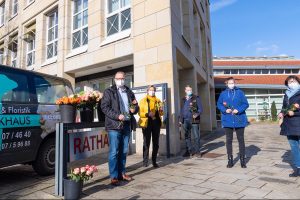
[45, 161]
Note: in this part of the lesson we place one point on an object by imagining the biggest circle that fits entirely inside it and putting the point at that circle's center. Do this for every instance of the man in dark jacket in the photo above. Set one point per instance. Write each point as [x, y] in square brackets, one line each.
[190, 119]
[119, 105]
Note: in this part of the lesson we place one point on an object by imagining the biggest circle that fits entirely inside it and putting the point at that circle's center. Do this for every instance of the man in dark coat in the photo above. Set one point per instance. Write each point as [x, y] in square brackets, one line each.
[190, 119]
[119, 105]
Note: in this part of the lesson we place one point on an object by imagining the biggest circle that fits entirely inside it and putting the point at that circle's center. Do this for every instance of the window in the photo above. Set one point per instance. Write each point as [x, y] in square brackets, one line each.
[1, 56]
[21, 92]
[242, 71]
[288, 71]
[185, 20]
[295, 71]
[257, 71]
[52, 34]
[14, 8]
[49, 90]
[227, 71]
[272, 71]
[30, 55]
[29, 1]
[118, 17]
[196, 34]
[2, 13]
[280, 71]
[80, 23]
[13, 48]
[250, 71]
[234, 71]
[265, 71]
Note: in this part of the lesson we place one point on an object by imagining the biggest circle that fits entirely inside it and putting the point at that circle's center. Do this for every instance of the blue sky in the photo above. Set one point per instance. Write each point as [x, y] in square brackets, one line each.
[255, 27]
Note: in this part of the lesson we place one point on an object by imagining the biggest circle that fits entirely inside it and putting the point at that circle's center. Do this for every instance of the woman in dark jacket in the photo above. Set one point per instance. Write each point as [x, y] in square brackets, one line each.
[232, 104]
[291, 119]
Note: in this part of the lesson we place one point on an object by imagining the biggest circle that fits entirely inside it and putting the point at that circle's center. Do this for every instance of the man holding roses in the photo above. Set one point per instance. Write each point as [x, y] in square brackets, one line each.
[190, 119]
[119, 105]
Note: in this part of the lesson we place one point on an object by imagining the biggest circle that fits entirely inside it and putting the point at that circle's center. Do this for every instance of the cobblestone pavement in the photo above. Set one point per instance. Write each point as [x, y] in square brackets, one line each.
[268, 158]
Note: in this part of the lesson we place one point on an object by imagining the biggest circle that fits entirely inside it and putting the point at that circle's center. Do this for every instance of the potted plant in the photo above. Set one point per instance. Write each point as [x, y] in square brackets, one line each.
[73, 184]
[87, 105]
[67, 107]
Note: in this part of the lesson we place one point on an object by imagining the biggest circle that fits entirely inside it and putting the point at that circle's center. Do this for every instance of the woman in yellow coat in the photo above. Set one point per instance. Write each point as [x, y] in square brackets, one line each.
[150, 113]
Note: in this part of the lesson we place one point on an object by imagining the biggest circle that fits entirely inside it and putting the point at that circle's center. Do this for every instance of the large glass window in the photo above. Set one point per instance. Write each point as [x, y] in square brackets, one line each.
[2, 13]
[14, 7]
[295, 71]
[118, 16]
[80, 23]
[52, 34]
[49, 90]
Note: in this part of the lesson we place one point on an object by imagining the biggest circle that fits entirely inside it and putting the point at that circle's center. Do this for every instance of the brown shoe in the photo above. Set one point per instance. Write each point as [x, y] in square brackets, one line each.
[126, 178]
[114, 182]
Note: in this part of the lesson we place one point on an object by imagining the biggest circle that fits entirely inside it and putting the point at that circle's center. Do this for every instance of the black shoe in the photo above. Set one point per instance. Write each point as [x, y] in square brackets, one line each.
[243, 162]
[296, 173]
[145, 164]
[186, 154]
[230, 161]
[155, 165]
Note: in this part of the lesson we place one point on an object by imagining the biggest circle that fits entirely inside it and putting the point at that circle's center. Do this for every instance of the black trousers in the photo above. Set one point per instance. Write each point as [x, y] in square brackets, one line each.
[240, 137]
[153, 129]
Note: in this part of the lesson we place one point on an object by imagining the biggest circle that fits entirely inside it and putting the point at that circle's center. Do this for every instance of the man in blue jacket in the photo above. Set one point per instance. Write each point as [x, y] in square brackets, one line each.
[190, 119]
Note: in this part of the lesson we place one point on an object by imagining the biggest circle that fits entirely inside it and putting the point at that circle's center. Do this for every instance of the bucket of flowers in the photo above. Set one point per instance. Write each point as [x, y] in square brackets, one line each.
[73, 184]
[89, 100]
[67, 107]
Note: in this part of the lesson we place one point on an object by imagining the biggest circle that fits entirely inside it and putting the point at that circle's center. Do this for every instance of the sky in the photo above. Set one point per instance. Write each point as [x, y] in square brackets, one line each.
[255, 27]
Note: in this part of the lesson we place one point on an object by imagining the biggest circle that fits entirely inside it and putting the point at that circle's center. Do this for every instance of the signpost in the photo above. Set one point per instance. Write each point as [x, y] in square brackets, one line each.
[76, 141]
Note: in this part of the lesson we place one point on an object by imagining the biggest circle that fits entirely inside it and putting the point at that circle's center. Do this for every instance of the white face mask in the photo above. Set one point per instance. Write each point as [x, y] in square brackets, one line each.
[151, 93]
[120, 83]
[230, 86]
[293, 85]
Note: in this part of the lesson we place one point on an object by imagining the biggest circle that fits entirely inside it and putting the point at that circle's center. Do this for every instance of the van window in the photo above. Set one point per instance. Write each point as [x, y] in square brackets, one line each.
[18, 94]
[48, 90]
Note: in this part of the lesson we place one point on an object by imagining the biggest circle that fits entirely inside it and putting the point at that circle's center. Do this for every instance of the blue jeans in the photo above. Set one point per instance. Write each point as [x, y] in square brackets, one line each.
[295, 149]
[118, 149]
[195, 130]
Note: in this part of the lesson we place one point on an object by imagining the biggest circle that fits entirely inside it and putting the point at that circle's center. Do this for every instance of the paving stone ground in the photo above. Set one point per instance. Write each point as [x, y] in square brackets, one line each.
[206, 177]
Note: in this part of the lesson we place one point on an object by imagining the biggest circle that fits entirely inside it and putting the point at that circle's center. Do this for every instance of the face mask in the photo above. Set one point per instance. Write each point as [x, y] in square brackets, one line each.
[120, 83]
[293, 85]
[230, 86]
[151, 93]
[189, 93]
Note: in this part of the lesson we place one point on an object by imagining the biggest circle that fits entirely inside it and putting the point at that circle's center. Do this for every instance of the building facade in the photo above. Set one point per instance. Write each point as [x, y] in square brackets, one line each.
[87, 41]
[261, 78]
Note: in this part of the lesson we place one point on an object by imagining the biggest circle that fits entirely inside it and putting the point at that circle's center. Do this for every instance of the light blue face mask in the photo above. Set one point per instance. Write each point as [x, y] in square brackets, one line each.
[189, 93]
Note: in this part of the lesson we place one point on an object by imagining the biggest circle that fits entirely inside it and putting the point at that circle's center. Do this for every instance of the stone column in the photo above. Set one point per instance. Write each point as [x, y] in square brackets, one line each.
[153, 63]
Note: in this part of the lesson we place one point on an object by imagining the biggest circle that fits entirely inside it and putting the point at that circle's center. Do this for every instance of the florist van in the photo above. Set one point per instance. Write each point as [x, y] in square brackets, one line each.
[28, 117]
